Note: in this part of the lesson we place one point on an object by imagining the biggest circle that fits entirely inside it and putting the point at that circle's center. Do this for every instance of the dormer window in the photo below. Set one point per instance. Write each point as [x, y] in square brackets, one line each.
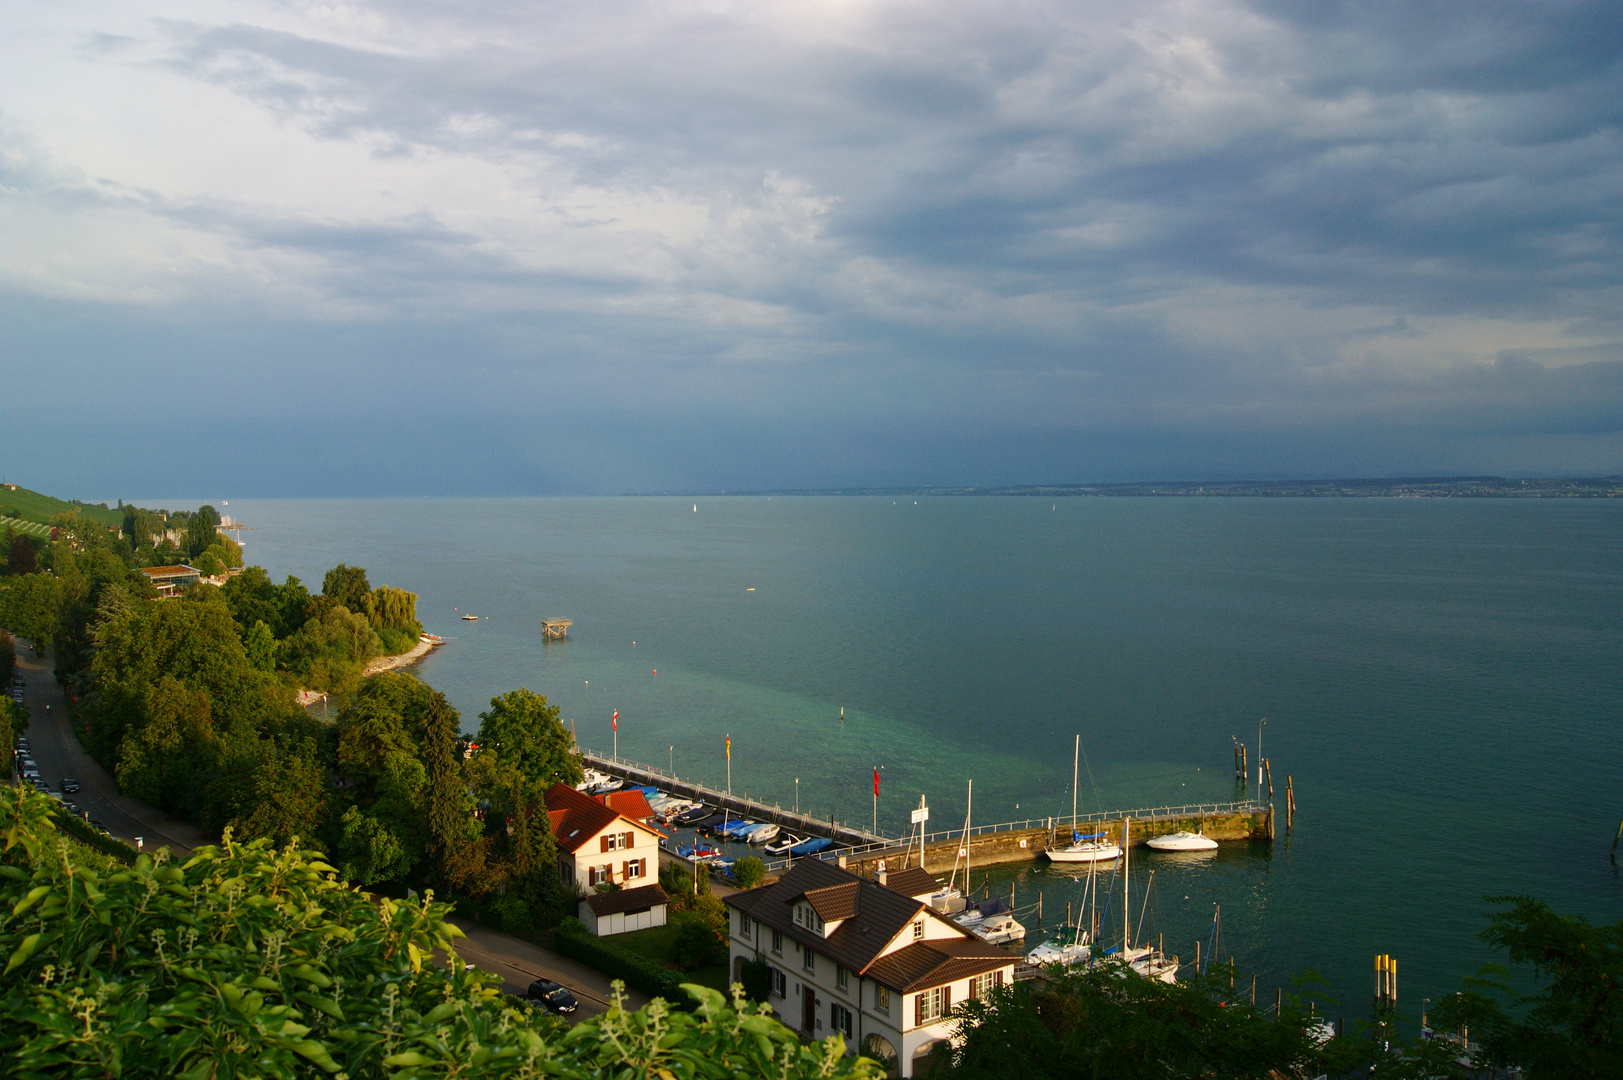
[805, 916]
[918, 930]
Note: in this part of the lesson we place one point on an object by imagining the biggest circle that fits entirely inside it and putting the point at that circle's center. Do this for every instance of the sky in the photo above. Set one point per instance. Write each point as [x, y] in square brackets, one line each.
[482, 248]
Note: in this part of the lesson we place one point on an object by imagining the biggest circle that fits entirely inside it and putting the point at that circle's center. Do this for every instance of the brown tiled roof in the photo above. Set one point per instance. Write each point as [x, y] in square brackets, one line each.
[633, 804]
[575, 817]
[878, 914]
[156, 572]
[835, 901]
[936, 961]
[915, 881]
[641, 898]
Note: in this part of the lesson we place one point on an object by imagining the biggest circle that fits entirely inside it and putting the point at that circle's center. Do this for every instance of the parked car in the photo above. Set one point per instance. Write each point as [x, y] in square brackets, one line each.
[99, 827]
[554, 997]
[22, 744]
[72, 808]
[69, 785]
[40, 785]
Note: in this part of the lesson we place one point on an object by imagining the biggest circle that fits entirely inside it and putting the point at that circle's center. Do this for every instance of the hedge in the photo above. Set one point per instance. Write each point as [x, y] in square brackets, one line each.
[91, 837]
[573, 940]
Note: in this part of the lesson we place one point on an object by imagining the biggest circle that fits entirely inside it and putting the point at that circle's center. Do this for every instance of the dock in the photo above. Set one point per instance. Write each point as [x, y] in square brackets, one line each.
[798, 823]
[555, 629]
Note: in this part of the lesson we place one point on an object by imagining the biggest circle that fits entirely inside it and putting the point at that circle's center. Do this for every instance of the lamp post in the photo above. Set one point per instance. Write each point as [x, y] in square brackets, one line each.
[797, 794]
[1261, 722]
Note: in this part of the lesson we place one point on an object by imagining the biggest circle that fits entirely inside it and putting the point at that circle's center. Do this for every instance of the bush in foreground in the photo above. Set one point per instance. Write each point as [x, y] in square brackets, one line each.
[246, 960]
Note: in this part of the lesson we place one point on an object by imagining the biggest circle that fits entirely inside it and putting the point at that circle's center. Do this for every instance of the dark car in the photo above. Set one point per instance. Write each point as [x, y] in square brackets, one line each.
[72, 808]
[554, 997]
[40, 784]
[69, 785]
[99, 827]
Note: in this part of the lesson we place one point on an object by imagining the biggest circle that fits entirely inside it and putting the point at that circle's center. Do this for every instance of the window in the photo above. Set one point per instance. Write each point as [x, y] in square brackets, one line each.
[743, 925]
[932, 1004]
[881, 998]
[840, 1017]
[637, 868]
[918, 930]
[980, 987]
[808, 959]
[597, 875]
[779, 983]
[628, 840]
[842, 977]
[611, 841]
[777, 942]
[808, 918]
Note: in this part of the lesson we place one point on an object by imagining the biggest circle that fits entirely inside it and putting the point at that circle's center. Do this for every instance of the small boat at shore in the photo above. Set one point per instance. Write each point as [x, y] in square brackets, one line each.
[1182, 841]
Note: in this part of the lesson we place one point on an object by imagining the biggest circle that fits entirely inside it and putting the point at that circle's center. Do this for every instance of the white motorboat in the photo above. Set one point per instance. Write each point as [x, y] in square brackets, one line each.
[783, 843]
[1092, 848]
[991, 920]
[1062, 952]
[1183, 841]
[592, 778]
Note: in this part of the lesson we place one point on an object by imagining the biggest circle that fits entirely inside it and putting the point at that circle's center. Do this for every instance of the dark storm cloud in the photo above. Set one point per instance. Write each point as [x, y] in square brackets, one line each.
[1346, 232]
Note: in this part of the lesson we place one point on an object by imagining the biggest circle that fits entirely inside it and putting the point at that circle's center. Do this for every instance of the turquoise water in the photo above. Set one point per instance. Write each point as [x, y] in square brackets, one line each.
[1442, 678]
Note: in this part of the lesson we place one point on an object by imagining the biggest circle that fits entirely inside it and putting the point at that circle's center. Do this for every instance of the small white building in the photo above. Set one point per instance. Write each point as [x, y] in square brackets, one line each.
[625, 910]
[597, 843]
[866, 959]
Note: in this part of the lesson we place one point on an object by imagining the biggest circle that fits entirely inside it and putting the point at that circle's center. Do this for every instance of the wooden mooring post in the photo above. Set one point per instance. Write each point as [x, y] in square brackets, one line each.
[1290, 806]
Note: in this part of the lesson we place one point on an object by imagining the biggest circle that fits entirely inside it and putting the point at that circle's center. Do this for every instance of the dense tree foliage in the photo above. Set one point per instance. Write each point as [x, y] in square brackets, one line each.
[1572, 1026]
[248, 960]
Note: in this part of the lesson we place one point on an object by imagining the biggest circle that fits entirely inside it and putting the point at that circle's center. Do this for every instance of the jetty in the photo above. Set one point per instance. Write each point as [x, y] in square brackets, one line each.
[1024, 841]
[556, 629]
[796, 822]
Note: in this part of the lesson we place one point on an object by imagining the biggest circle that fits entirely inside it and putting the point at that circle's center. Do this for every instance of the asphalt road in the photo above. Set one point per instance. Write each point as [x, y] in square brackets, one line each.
[56, 750]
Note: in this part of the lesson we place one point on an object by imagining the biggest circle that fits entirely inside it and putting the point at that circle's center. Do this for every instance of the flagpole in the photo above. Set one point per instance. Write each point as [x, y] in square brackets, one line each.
[729, 764]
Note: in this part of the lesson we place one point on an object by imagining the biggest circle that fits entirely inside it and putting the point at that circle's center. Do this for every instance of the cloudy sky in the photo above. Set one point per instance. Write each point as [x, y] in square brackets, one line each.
[332, 248]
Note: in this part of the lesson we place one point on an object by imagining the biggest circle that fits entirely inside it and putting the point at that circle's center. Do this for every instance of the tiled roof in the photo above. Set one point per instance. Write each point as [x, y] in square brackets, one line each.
[641, 898]
[156, 572]
[877, 914]
[835, 901]
[633, 804]
[576, 818]
[915, 881]
[936, 961]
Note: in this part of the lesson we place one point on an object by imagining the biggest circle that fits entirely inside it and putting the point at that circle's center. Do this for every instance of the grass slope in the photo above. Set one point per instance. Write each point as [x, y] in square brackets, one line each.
[28, 505]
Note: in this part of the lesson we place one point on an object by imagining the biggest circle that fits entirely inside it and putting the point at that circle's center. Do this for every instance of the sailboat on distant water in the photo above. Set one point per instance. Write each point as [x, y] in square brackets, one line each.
[1095, 847]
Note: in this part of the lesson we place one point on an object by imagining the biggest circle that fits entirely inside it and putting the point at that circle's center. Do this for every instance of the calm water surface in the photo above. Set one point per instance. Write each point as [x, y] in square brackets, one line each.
[1442, 679]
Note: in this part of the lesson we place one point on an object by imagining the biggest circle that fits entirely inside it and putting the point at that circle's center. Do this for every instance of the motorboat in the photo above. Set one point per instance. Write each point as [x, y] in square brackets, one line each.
[1183, 841]
[613, 783]
[991, 920]
[592, 778]
[1091, 848]
[760, 834]
[1067, 950]
[702, 852]
[783, 844]
[946, 901]
[736, 828]
[693, 816]
[812, 846]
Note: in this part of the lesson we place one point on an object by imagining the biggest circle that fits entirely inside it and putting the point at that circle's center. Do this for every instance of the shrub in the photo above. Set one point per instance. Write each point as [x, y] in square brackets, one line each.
[696, 943]
[573, 940]
[756, 978]
[748, 872]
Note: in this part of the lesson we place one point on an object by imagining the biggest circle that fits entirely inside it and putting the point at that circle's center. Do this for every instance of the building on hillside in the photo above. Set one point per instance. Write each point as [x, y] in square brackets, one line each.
[172, 580]
[597, 843]
[625, 910]
[867, 959]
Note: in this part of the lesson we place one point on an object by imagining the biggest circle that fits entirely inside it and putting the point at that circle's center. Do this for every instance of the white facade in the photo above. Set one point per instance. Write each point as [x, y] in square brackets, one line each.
[624, 852]
[814, 995]
[622, 922]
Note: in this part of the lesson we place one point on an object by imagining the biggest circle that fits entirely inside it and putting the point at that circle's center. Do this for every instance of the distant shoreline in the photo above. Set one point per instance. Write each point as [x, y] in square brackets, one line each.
[1453, 487]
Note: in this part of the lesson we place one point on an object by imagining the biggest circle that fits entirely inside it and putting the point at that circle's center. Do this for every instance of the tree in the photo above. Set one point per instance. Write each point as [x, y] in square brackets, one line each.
[347, 585]
[172, 745]
[748, 872]
[525, 731]
[1573, 1025]
[31, 609]
[260, 645]
[20, 557]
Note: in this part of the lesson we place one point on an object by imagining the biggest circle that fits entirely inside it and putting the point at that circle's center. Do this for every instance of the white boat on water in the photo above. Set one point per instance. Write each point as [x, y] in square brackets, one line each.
[591, 780]
[1064, 953]
[760, 834]
[1183, 841]
[1093, 848]
[992, 920]
[783, 843]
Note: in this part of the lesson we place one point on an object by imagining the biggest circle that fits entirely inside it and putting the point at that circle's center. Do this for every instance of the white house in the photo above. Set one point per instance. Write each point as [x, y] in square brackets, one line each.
[625, 910]
[866, 959]
[597, 843]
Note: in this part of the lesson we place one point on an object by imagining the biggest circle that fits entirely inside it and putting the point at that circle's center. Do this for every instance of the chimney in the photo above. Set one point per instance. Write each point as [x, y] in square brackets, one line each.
[881, 875]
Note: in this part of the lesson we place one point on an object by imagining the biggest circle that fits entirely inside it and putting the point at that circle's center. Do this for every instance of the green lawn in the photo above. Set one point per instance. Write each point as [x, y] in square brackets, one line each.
[32, 506]
[656, 945]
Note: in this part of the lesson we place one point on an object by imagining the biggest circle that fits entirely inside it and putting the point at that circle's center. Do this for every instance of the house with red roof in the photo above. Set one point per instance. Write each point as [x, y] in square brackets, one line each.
[603, 838]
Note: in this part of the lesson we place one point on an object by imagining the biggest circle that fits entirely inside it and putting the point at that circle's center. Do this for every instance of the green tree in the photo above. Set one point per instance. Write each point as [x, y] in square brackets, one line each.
[31, 609]
[20, 558]
[286, 797]
[260, 645]
[169, 748]
[395, 609]
[347, 585]
[748, 872]
[1572, 1025]
[253, 598]
[525, 731]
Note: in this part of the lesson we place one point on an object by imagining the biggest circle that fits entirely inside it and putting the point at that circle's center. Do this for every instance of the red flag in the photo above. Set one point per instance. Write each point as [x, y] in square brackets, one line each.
[615, 719]
[876, 781]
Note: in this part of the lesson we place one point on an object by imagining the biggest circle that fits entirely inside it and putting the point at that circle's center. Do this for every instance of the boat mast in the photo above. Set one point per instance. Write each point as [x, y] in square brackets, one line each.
[1075, 754]
[1126, 887]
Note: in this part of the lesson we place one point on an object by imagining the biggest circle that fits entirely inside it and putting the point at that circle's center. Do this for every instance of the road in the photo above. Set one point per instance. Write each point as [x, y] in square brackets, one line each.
[57, 752]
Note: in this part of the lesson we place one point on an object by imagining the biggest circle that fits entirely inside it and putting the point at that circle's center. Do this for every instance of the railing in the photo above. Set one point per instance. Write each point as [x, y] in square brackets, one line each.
[1243, 806]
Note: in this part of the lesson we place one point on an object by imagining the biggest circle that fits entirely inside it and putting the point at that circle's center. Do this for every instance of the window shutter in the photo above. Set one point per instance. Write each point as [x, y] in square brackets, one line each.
[625, 868]
[997, 978]
[918, 1009]
[631, 839]
[946, 999]
[604, 841]
[972, 994]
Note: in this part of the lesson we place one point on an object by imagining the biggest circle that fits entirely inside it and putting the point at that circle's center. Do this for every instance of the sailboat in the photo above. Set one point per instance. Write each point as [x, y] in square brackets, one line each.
[1073, 945]
[949, 900]
[1148, 961]
[1095, 847]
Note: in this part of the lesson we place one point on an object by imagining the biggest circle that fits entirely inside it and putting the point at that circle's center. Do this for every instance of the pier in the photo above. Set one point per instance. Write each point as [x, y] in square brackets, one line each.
[556, 629]
[801, 824]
